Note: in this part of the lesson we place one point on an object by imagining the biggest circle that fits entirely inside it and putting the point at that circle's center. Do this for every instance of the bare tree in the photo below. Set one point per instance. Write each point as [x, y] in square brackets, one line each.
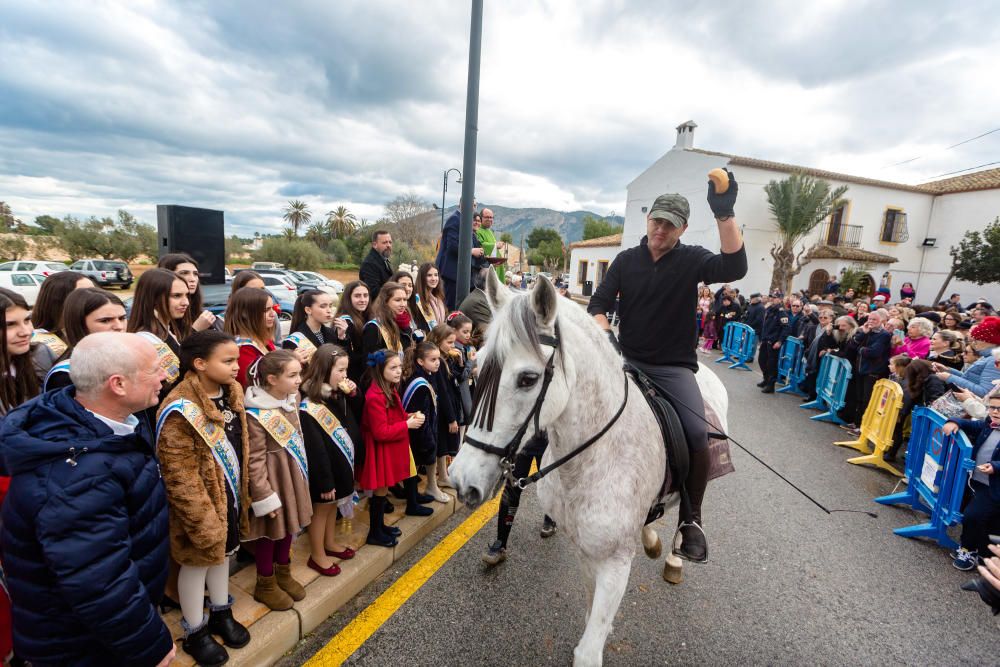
[405, 213]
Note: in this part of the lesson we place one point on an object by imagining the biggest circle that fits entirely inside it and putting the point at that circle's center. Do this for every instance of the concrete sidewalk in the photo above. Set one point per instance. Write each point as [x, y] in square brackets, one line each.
[273, 633]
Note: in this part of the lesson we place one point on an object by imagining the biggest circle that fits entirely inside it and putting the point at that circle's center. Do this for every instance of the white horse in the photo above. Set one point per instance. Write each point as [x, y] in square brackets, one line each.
[601, 497]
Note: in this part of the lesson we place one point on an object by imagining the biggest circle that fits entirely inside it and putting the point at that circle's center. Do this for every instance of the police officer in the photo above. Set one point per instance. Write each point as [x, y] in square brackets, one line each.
[754, 317]
[775, 322]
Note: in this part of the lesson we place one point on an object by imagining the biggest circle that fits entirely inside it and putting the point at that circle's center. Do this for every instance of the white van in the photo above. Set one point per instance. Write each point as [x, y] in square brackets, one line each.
[267, 265]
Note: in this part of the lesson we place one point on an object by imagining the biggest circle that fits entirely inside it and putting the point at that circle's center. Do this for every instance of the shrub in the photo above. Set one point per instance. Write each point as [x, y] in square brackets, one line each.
[297, 254]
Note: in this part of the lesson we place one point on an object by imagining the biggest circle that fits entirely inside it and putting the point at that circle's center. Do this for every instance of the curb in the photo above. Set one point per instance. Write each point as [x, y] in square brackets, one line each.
[274, 633]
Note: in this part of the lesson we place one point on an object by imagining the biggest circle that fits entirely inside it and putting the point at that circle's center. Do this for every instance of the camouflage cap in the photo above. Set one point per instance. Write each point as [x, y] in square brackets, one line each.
[672, 207]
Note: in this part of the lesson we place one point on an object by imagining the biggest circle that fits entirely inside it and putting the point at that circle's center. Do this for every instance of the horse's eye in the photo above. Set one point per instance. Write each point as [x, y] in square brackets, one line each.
[525, 380]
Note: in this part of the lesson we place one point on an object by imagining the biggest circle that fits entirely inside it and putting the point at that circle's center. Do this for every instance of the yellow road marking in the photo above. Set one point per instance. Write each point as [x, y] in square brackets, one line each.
[364, 625]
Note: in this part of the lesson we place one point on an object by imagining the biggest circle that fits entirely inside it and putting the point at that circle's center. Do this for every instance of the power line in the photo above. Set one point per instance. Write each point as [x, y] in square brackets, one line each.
[947, 148]
[952, 173]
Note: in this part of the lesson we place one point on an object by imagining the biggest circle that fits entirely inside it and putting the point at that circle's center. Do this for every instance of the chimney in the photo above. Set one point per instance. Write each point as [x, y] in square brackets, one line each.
[685, 135]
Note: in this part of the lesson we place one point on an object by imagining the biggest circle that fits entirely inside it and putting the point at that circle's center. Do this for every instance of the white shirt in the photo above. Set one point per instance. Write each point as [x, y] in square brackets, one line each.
[119, 428]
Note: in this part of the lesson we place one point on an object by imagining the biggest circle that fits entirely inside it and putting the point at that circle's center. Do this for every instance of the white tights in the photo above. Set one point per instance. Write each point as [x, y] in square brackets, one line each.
[191, 582]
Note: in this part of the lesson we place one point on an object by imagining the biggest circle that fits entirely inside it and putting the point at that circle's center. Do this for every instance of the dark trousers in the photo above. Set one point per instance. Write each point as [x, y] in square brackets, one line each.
[982, 517]
[450, 290]
[681, 388]
[767, 359]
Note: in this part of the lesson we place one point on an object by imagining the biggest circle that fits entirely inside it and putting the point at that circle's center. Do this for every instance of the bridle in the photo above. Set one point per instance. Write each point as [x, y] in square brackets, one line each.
[508, 452]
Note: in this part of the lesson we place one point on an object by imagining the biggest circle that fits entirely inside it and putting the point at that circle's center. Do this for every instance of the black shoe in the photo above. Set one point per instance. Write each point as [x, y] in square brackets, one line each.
[388, 507]
[392, 531]
[418, 510]
[762, 383]
[768, 389]
[693, 545]
[424, 499]
[398, 491]
[232, 632]
[381, 540]
[201, 646]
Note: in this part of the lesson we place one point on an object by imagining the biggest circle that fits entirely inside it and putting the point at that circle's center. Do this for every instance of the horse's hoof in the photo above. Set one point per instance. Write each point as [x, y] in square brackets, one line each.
[655, 550]
[673, 574]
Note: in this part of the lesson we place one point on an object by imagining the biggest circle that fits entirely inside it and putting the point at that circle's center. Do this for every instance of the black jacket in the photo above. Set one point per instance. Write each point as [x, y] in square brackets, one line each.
[775, 326]
[754, 317]
[423, 440]
[374, 272]
[329, 336]
[658, 300]
[329, 469]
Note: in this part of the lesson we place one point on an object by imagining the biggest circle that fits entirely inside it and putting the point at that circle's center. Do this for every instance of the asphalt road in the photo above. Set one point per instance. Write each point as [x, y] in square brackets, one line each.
[787, 583]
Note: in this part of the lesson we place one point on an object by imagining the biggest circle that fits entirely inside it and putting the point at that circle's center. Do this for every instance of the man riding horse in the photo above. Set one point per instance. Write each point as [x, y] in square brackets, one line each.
[656, 283]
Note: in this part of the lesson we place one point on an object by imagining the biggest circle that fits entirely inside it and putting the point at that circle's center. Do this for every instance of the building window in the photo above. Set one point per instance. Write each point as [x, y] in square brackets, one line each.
[602, 270]
[581, 272]
[894, 226]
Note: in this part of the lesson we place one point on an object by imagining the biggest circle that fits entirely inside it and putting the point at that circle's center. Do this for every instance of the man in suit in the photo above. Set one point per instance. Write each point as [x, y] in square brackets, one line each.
[447, 257]
[375, 270]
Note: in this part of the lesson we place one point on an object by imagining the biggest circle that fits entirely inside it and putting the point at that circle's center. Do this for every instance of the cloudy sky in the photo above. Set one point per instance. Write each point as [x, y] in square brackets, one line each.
[244, 105]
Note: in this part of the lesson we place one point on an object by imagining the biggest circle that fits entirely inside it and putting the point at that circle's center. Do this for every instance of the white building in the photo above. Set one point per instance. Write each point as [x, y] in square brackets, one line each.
[589, 261]
[894, 231]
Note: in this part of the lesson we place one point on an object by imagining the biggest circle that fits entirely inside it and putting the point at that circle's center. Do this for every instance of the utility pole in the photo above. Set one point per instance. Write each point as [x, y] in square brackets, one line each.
[469, 158]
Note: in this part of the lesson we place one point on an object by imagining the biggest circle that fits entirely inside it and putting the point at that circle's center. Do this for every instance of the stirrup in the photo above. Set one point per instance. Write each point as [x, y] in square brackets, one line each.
[679, 542]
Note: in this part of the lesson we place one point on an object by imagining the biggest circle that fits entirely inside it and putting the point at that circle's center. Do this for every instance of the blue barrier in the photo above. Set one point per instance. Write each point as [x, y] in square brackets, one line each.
[791, 366]
[831, 388]
[739, 342]
[937, 469]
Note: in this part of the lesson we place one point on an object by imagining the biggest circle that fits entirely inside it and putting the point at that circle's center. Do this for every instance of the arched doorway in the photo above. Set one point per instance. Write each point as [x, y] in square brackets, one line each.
[867, 285]
[818, 280]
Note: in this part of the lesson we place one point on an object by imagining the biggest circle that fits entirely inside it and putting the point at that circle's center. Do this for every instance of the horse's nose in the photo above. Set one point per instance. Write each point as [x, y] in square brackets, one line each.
[470, 497]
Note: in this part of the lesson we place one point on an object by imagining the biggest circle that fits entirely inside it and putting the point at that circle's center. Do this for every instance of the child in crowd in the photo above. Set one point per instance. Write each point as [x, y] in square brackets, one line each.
[421, 368]
[385, 427]
[186, 268]
[897, 368]
[278, 476]
[427, 300]
[450, 415]
[409, 323]
[349, 322]
[310, 326]
[383, 330]
[466, 361]
[204, 454]
[250, 318]
[329, 413]
[18, 381]
[87, 311]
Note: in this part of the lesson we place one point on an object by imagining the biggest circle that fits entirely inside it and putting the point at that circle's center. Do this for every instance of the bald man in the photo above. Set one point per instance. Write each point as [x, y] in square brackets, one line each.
[489, 242]
[85, 520]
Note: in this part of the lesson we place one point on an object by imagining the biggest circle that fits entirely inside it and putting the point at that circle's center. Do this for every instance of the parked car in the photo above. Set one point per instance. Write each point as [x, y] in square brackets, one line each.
[105, 272]
[257, 266]
[301, 282]
[37, 266]
[24, 283]
[229, 275]
[320, 279]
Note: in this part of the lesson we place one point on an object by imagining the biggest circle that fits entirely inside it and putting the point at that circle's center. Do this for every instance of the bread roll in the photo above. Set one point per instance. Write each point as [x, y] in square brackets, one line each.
[720, 179]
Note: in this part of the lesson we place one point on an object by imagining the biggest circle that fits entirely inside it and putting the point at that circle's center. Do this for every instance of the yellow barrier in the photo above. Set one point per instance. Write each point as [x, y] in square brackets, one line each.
[877, 426]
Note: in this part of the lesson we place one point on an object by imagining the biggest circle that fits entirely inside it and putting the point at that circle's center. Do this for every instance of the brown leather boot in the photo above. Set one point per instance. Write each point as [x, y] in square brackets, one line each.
[267, 593]
[283, 577]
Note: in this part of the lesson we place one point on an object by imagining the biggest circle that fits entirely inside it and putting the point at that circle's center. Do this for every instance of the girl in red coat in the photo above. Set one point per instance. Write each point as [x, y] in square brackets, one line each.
[385, 429]
[250, 319]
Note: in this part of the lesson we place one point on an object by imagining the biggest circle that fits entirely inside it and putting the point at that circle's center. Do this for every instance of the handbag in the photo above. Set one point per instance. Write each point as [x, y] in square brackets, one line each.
[949, 406]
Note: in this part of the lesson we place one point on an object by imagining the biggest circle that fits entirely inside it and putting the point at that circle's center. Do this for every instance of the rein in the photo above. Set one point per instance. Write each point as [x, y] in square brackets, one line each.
[508, 452]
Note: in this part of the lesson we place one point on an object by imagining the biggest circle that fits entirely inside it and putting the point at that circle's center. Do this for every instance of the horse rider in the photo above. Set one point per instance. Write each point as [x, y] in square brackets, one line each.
[532, 451]
[657, 285]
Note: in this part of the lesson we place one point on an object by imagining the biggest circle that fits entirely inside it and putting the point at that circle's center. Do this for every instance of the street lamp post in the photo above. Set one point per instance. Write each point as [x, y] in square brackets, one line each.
[444, 190]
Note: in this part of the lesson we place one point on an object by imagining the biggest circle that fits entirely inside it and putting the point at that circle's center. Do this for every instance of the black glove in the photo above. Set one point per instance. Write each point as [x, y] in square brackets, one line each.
[722, 205]
[614, 341]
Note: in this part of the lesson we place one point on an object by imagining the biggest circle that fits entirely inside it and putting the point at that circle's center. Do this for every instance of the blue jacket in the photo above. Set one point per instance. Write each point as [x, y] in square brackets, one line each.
[84, 544]
[447, 257]
[874, 350]
[979, 377]
[978, 431]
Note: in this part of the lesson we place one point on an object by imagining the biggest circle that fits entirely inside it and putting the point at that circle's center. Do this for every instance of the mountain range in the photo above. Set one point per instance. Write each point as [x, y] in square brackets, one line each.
[519, 222]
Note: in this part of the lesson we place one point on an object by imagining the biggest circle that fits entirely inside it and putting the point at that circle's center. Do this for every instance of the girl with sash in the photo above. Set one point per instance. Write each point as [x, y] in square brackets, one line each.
[278, 476]
[382, 331]
[252, 279]
[450, 400]
[201, 440]
[422, 394]
[349, 322]
[427, 300]
[385, 427]
[86, 311]
[18, 381]
[250, 318]
[46, 316]
[330, 413]
[407, 322]
[186, 268]
[463, 366]
[310, 325]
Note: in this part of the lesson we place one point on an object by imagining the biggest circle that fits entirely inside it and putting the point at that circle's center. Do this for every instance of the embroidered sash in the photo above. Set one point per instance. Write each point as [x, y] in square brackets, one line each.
[213, 435]
[412, 388]
[61, 367]
[385, 336]
[168, 360]
[285, 433]
[303, 343]
[49, 340]
[426, 311]
[331, 426]
[241, 341]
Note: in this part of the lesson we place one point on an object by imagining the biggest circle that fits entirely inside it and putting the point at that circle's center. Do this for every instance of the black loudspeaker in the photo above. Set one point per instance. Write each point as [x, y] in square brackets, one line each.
[199, 232]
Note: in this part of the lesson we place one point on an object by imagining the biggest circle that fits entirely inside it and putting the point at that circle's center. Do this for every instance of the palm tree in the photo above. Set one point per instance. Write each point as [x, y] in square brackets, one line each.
[798, 203]
[340, 223]
[297, 214]
[317, 234]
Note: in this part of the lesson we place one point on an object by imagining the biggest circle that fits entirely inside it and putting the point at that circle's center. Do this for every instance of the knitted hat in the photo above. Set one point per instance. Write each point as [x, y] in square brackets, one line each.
[987, 331]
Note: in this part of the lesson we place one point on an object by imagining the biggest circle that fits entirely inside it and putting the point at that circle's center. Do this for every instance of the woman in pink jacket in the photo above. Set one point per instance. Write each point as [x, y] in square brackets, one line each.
[917, 342]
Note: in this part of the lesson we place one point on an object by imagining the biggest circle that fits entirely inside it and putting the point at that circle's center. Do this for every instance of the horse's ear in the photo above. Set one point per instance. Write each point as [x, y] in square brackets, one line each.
[544, 300]
[496, 293]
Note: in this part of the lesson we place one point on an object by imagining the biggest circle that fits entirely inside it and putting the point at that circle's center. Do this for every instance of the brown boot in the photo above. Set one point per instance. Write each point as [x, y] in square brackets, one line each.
[267, 592]
[283, 576]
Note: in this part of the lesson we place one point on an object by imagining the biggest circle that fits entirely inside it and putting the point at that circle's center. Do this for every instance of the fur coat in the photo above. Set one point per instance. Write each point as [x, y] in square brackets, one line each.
[196, 485]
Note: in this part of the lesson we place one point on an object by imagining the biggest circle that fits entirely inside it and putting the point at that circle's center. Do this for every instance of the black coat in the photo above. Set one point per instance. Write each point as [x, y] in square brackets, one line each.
[374, 272]
[423, 440]
[329, 336]
[754, 317]
[329, 469]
